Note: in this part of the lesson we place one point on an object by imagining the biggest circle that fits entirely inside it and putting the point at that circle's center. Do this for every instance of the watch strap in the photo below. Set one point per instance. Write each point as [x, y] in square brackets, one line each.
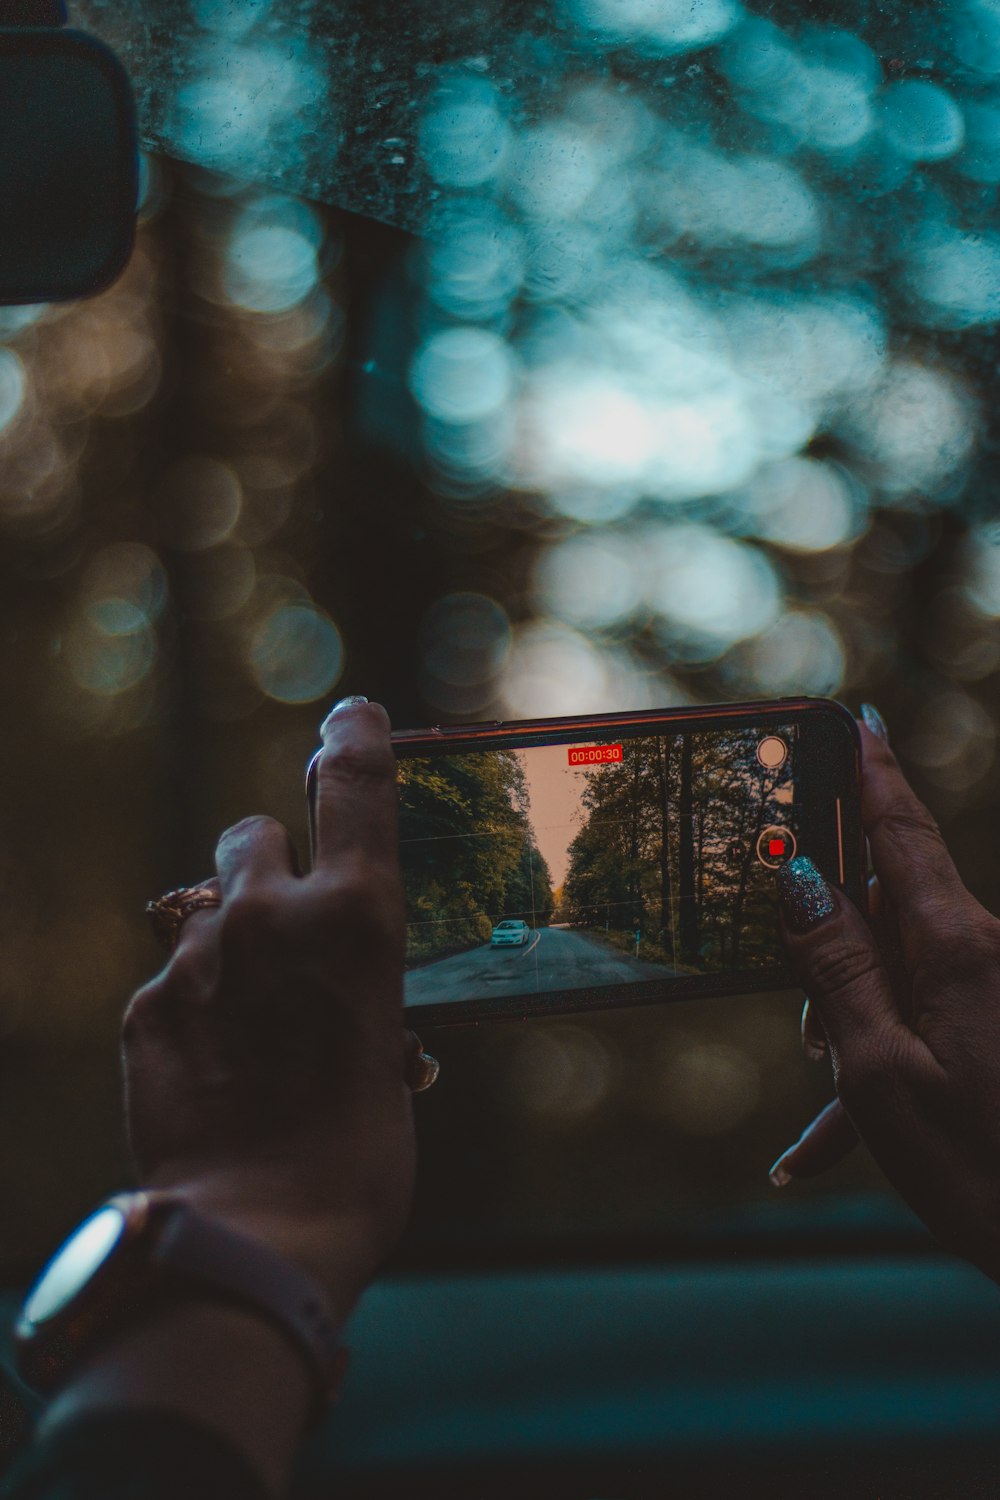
[193, 1247]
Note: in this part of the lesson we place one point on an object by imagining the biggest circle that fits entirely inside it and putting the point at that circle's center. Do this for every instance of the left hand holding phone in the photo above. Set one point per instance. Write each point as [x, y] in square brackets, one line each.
[268, 1074]
[907, 1004]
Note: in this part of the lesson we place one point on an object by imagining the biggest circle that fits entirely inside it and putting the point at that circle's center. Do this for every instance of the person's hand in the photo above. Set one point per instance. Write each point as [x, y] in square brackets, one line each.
[268, 1076]
[908, 1008]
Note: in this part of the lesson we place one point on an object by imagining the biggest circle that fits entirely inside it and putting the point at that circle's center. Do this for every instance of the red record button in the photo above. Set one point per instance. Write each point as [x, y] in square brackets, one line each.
[775, 847]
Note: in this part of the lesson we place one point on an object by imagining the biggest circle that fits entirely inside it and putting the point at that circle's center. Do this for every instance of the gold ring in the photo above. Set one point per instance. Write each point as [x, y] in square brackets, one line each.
[168, 913]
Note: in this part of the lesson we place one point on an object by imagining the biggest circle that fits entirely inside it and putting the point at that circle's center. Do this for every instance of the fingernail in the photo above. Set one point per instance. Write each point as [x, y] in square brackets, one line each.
[874, 721]
[813, 1040]
[805, 896]
[779, 1175]
[348, 702]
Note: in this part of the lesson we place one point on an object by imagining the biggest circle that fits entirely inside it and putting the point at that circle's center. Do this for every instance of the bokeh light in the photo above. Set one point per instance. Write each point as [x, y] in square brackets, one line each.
[560, 1074]
[803, 504]
[917, 426]
[708, 1088]
[475, 262]
[707, 590]
[462, 375]
[464, 136]
[553, 670]
[802, 652]
[464, 643]
[200, 498]
[227, 19]
[240, 106]
[982, 568]
[111, 647]
[975, 37]
[658, 27]
[953, 740]
[130, 573]
[956, 275]
[921, 120]
[271, 261]
[590, 579]
[12, 387]
[980, 158]
[296, 654]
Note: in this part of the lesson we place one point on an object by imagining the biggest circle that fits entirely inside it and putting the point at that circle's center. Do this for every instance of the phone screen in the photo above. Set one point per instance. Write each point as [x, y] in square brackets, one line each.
[597, 863]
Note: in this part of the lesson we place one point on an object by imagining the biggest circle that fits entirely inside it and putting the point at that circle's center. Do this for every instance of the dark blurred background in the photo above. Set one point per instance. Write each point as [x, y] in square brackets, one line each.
[683, 394]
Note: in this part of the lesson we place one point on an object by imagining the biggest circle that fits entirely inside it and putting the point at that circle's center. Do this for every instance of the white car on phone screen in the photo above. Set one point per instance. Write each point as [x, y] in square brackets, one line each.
[510, 934]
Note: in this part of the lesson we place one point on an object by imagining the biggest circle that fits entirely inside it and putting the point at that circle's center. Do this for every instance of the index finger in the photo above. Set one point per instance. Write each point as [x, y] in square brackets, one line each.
[910, 856]
[355, 805]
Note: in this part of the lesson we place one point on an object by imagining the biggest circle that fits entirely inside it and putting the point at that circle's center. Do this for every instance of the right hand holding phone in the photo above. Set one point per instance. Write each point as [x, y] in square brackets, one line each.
[907, 1003]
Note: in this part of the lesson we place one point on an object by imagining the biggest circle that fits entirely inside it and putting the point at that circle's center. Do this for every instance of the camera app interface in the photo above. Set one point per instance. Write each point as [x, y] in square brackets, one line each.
[571, 866]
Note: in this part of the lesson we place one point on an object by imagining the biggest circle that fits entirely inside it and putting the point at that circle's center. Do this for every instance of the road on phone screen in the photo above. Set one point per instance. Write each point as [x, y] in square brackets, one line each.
[554, 959]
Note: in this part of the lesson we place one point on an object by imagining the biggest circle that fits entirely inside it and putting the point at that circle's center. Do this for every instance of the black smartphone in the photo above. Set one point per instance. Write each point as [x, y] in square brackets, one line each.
[559, 865]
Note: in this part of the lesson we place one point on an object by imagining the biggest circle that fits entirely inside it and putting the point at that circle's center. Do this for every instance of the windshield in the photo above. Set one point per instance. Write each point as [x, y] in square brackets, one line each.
[498, 362]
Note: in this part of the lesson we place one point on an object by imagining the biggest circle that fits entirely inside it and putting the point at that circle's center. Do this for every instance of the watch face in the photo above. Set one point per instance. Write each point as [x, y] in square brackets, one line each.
[73, 1265]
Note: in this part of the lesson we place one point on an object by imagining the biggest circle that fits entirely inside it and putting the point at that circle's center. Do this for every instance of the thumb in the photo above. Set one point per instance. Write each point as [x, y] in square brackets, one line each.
[836, 959]
[824, 1143]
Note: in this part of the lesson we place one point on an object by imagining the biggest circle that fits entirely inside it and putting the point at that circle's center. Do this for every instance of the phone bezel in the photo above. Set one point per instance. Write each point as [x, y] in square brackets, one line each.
[839, 775]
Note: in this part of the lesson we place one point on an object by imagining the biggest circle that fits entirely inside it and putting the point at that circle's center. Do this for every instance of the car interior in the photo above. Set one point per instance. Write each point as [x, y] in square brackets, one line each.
[497, 362]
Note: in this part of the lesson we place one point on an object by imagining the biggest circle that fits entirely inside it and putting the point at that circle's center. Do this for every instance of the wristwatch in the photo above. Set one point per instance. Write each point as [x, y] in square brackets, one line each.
[140, 1248]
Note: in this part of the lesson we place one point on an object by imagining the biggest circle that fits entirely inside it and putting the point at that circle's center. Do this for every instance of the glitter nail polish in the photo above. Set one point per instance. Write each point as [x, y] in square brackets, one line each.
[874, 721]
[805, 896]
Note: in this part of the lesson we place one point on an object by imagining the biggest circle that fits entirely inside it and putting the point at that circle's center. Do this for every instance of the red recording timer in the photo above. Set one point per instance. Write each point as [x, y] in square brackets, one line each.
[594, 755]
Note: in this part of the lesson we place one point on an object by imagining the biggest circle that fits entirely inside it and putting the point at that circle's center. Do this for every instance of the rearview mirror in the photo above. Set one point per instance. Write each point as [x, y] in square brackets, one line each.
[68, 165]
